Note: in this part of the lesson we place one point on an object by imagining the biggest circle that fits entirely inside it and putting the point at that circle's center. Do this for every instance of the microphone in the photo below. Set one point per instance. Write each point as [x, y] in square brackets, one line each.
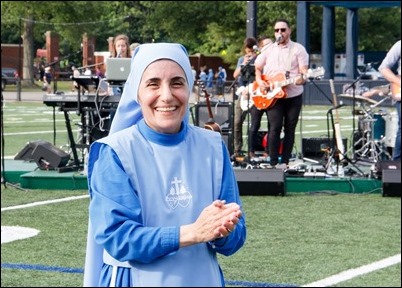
[278, 39]
[256, 50]
[118, 53]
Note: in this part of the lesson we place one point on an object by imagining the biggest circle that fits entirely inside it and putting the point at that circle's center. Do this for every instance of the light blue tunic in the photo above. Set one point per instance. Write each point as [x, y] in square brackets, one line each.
[144, 185]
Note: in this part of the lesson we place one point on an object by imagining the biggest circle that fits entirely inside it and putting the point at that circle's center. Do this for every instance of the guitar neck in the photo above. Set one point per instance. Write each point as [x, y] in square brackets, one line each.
[211, 116]
[283, 83]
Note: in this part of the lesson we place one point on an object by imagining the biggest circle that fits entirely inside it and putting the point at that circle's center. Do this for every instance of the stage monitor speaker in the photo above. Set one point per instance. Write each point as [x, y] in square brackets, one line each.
[222, 112]
[261, 182]
[313, 147]
[391, 182]
[382, 165]
[26, 152]
[227, 136]
[49, 157]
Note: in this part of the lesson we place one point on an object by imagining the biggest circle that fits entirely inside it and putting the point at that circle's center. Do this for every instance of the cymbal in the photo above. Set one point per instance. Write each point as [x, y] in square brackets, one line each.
[359, 98]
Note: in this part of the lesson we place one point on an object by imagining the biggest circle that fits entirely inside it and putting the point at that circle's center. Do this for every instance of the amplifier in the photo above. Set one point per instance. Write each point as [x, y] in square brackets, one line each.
[222, 111]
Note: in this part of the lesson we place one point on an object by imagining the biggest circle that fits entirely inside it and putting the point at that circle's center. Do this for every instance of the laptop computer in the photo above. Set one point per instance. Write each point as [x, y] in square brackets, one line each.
[117, 69]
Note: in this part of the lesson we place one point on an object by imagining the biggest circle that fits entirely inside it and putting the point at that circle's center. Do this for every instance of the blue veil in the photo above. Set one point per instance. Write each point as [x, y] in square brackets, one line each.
[129, 111]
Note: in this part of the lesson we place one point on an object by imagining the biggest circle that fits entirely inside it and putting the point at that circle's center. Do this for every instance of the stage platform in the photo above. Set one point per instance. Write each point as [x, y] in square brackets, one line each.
[251, 181]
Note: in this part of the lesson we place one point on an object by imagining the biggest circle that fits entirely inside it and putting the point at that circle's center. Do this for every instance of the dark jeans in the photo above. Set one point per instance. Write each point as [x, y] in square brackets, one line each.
[239, 118]
[285, 113]
[256, 116]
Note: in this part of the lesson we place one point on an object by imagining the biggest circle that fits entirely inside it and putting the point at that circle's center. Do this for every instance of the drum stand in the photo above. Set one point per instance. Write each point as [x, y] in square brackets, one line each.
[372, 149]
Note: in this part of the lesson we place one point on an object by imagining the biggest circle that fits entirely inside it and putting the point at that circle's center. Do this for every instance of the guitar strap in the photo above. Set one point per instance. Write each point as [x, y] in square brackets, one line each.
[289, 64]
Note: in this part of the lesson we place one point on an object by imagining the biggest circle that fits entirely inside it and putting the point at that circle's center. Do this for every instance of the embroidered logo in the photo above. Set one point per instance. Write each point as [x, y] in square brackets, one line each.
[178, 194]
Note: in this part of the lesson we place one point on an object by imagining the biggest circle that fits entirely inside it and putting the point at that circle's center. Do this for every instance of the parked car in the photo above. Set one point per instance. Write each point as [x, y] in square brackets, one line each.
[369, 72]
[9, 76]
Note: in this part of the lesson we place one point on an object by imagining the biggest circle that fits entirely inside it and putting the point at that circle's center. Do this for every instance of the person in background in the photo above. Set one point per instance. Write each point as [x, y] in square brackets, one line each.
[256, 114]
[98, 72]
[287, 59]
[220, 81]
[41, 71]
[47, 80]
[203, 75]
[393, 60]
[121, 49]
[153, 222]
[76, 74]
[263, 43]
[133, 46]
[210, 80]
[242, 75]
[121, 46]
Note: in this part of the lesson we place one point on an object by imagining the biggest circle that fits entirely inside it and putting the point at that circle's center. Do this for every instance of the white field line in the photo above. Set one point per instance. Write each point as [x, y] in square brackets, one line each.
[43, 203]
[13, 233]
[352, 273]
[32, 132]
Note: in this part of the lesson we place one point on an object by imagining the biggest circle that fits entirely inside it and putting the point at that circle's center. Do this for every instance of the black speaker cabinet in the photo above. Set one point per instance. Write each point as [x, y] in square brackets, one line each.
[261, 182]
[312, 147]
[227, 136]
[26, 152]
[391, 182]
[221, 111]
[49, 157]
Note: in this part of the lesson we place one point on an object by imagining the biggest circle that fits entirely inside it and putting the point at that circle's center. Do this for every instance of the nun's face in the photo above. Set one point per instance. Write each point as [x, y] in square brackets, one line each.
[163, 95]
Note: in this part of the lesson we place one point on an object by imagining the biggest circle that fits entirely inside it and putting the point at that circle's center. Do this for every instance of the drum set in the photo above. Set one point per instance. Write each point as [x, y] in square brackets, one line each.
[376, 130]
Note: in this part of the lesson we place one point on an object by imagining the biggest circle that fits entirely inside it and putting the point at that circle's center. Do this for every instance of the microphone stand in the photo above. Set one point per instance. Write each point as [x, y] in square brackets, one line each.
[353, 86]
[311, 79]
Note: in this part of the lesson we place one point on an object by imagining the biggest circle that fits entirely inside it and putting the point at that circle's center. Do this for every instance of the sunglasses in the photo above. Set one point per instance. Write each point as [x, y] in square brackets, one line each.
[282, 30]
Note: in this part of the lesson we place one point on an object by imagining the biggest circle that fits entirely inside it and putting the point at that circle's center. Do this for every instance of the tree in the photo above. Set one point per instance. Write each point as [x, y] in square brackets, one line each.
[52, 15]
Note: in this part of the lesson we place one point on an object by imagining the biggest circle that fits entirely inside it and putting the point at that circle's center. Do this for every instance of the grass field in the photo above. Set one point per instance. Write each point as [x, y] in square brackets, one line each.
[292, 241]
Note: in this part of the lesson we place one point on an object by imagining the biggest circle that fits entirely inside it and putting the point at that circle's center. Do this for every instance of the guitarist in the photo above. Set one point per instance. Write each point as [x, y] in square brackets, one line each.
[243, 77]
[287, 59]
[391, 60]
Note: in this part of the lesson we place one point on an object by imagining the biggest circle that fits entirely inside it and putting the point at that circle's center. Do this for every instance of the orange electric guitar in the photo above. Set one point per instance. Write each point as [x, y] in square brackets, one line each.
[276, 87]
